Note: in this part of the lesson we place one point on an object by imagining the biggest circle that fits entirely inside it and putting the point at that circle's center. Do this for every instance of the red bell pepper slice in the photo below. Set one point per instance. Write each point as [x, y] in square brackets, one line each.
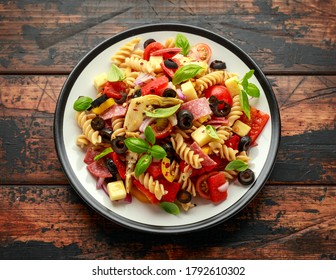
[152, 47]
[151, 197]
[233, 142]
[156, 86]
[214, 182]
[154, 170]
[166, 52]
[119, 164]
[172, 189]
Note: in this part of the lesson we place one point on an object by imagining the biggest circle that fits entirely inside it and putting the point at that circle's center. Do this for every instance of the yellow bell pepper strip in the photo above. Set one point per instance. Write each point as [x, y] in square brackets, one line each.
[166, 169]
[104, 106]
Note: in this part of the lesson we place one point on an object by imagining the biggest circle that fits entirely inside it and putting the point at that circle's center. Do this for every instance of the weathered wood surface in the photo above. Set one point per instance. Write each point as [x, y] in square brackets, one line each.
[293, 217]
[276, 225]
[282, 36]
[306, 154]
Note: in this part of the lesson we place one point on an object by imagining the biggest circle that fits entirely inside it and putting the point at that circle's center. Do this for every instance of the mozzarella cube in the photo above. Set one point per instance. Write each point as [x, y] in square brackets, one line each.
[99, 81]
[189, 91]
[116, 190]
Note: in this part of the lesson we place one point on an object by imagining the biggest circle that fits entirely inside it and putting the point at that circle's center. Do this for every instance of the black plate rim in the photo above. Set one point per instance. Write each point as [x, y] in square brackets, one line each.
[213, 221]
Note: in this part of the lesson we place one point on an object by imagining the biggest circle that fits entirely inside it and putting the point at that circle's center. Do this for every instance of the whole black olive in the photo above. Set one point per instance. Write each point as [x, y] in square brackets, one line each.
[244, 143]
[246, 177]
[118, 145]
[137, 93]
[218, 64]
[97, 123]
[111, 166]
[106, 134]
[183, 196]
[170, 64]
[99, 100]
[147, 42]
[169, 92]
[185, 119]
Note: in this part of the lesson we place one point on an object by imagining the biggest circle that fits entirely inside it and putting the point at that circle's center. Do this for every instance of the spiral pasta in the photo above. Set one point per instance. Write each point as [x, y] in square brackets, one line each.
[223, 151]
[236, 110]
[208, 80]
[84, 121]
[152, 185]
[185, 152]
[139, 64]
[125, 51]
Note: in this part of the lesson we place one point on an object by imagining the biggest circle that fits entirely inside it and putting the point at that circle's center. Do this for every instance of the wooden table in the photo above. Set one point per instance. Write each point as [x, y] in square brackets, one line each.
[293, 217]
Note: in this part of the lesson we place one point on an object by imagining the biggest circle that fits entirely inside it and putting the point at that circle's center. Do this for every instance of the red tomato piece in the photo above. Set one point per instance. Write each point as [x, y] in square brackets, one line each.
[166, 52]
[202, 187]
[257, 122]
[200, 52]
[156, 86]
[172, 189]
[119, 164]
[233, 142]
[214, 182]
[161, 128]
[113, 89]
[152, 47]
[151, 197]
[154, 169]
[221, 92]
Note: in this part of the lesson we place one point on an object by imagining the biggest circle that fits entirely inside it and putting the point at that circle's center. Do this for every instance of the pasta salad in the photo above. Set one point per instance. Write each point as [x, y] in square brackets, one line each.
[168, 124]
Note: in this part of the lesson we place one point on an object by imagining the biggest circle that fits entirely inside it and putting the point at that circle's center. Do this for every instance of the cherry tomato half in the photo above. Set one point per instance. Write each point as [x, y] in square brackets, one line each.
[221, 92]
[152, 47]
[201, 52]
[161, 128]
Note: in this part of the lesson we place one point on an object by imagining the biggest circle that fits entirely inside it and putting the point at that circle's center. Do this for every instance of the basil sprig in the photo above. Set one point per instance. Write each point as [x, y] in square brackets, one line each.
[182, 42]
[115, 74]
[247, 89]
[142, 146]
[82, 103]
[186, 72]
[163, 112]
[236, 164]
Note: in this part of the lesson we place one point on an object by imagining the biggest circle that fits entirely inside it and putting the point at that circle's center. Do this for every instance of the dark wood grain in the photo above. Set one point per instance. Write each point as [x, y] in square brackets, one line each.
[276, 225]
[291, 36]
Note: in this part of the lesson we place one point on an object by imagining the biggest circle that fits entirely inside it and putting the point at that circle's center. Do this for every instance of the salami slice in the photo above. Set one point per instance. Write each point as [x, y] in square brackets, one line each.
[198, 107]
[90, 154]
[207, 161]
[114, 111]
[98, 169]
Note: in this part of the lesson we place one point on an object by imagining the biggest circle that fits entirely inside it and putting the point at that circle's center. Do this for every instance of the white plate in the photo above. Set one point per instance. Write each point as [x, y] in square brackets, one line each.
[147, 217]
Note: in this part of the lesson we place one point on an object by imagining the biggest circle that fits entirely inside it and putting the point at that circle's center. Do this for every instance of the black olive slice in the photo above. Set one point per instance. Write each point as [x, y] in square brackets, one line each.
[98, 101]
[137, 93]
[122, 99]
[118, 145]
[106, 134]
[97, 123]
[169, 92]
[147, 42]
[244, 143]
[183, 196]
[111, 166]
[246, 177]
[185, 119]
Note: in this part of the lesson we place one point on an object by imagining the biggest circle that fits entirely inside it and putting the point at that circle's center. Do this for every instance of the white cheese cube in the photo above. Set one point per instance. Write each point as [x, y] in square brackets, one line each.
[240, 128]
[189, 91]
[116, 190]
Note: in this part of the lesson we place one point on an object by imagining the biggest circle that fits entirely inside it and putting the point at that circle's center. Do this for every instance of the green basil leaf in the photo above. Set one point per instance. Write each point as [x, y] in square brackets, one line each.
[244, 83]
[142, 165]
[162, 112]
[211, 131]
[249, 74]
[103, 153]
[158, 152]
[253, 90]
[137, 145]
[170, 207]
[186, 72]
[238, 165]
[82, 103]
[115, 74]
[149, 134]
[182, 42]
[244, 103]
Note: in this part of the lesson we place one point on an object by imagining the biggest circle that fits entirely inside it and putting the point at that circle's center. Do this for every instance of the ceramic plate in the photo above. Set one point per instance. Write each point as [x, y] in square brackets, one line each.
[145, 217]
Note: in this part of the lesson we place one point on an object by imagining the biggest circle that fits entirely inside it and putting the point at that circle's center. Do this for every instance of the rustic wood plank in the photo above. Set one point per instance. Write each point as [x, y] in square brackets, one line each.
[306, 154]
[296, 223]
[281, 36]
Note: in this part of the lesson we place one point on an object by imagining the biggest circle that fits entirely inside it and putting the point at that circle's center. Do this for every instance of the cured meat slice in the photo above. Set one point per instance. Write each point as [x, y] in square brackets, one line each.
[198, 107]
[207, 161]
[98, 169]
[114, 111]
[90, 154]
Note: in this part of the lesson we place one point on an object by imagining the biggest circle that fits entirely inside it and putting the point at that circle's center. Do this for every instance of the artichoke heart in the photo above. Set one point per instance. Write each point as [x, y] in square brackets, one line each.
[137, 107]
